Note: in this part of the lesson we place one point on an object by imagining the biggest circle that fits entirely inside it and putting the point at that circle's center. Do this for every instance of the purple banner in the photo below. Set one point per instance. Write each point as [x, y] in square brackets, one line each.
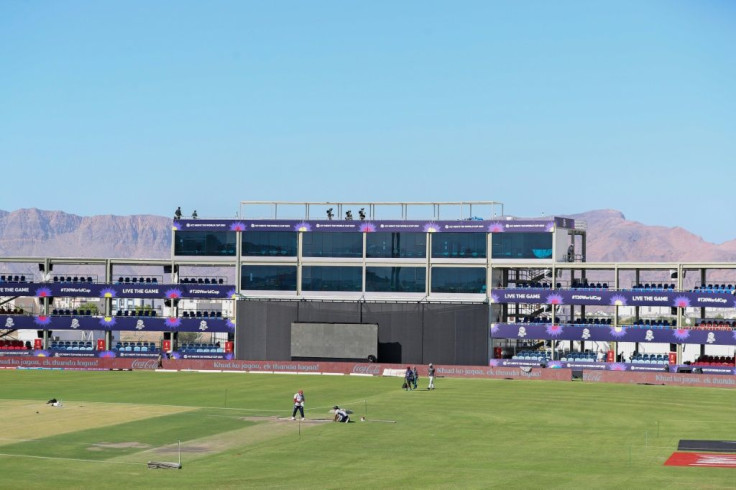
[542, 331]
[616, 366]
[465, 226]
[613, 298]
[155, 291]
[108, 354]
[141, 324]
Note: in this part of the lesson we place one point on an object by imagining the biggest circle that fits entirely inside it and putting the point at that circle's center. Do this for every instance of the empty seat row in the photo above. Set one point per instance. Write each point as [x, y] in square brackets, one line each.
[578, 357]
[11, 311]
[137, 280]
[715, 325]
[73, 279]
[150, 345]
[201, 314]
[654, 287]
[144, 313]
[202, 280]
[706, 360]
[11, 278]
[714, 288]
[593, 321]
[530, 355]
[12, 344]
[72, 345]
[200, 348]
[650, 358]
[71, 312]
[534, 284]
[584, 284]
[135, 347]
[536, 319]
[655, 323]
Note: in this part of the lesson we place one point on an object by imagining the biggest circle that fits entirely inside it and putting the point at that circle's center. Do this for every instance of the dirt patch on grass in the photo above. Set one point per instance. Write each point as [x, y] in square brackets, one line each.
[264, 430]
[284, 419]
[118, 445]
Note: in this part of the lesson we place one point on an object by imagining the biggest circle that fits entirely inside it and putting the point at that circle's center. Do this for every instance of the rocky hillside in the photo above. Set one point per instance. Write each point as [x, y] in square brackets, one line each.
[37, 233]
[612, 238]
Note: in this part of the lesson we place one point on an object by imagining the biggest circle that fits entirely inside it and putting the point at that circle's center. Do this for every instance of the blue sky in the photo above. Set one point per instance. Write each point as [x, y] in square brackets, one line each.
[552, 107]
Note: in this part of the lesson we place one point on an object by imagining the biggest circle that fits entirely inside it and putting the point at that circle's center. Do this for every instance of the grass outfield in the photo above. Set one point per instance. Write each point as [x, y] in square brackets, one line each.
[235, 433]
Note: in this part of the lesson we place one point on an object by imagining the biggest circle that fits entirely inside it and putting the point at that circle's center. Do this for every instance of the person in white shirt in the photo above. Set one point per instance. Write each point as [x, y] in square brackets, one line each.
[298, 404]
[341, 415]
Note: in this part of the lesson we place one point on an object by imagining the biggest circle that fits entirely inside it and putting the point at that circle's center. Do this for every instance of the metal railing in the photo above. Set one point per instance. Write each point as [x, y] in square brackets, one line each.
[370, 210]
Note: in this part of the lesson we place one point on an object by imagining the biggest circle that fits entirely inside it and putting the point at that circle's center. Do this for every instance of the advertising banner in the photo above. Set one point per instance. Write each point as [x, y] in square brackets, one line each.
[615, 366]
[128, 323]
[363, 226]
[613, 298]
[367, 369]
[139, 290]
[662, 378]
[548, 331]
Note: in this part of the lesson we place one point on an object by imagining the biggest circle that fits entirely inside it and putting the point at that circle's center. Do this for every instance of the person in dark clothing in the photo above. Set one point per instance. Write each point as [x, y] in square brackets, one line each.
[409, 379]
[341, 415]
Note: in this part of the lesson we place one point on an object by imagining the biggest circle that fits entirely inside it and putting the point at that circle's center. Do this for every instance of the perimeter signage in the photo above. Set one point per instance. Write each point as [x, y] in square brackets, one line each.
[361, 226]
[609, 333]
[155, 291]
[140, 324]
[613, 298]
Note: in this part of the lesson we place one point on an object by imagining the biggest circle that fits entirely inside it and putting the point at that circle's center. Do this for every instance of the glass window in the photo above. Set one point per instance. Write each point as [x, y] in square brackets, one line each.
[459, 245]
[219, 243]
[317, 278]
[317, 244]
[399, 279]
[396, 245]
[270, 243]
[458, 279]
[522, 245]
[269, 277]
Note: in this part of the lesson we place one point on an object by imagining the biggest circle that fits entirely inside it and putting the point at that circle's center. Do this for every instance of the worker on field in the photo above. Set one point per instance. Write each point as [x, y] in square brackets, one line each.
[298, 404]
[341, 415]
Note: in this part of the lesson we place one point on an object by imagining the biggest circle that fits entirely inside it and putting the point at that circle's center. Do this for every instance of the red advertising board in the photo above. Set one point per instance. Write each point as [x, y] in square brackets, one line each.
[365, 369]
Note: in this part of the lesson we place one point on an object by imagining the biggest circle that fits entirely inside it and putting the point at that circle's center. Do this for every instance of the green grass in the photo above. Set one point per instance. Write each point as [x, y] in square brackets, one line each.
[103, 443]
[466, 434]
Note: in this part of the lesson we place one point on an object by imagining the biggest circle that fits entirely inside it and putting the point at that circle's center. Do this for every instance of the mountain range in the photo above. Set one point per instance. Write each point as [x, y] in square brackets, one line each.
[38, 233]
[613, 238]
